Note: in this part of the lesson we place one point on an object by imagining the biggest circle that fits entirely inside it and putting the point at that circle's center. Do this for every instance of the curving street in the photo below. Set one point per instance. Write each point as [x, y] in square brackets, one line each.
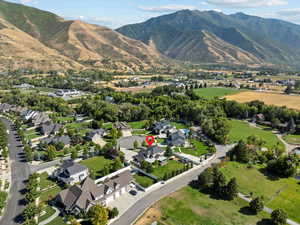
[19, 174]
[133, 213]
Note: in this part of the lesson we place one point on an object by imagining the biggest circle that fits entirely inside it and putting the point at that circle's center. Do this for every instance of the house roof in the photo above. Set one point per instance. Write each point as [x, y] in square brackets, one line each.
[122, 125]
[64, 139]
[49, 127]
[72, 167]
[101, 132]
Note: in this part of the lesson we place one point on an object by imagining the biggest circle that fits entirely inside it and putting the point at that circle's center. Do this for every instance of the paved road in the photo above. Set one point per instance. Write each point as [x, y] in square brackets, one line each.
[20, 172]
[143, 204]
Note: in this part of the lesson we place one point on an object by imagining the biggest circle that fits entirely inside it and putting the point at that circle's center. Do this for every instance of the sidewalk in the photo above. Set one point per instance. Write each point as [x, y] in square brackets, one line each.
[266, 209]
[48, 220]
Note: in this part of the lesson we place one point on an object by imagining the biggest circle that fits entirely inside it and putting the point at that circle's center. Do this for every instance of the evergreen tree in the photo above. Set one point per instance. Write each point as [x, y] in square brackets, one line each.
[257, 205]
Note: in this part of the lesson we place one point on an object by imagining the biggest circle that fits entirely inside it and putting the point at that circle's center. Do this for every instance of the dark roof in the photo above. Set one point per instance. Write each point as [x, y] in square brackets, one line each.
[64, 139]
[150, 152]
[122, 125]
[101, 132]
[50, 128]
[177, 138]
[72, 167]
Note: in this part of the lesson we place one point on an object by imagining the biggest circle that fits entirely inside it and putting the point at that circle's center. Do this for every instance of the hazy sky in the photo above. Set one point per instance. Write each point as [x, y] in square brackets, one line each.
[114, 13]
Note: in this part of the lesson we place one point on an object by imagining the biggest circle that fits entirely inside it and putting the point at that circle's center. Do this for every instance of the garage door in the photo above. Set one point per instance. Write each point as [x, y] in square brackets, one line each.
[117, 194]
[123, 190]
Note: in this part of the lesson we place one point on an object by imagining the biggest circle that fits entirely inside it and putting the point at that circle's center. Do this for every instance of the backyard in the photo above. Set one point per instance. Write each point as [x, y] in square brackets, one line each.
[213, 92]
[277, 193]
[241, 130]
[191, 207]
[97, 164]
[197, 149]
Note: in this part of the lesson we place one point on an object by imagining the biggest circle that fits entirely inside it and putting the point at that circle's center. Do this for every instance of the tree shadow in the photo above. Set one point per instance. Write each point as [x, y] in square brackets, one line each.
[268, 175]
[246, 210]
[264, 222]
[194, 184]
[19, 219]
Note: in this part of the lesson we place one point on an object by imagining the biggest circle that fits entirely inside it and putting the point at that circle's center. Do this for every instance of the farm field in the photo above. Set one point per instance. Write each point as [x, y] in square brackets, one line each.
[215, 92]
[290, 101]
[191, 207]
[278, 193]
[241, 130]
[292, 139]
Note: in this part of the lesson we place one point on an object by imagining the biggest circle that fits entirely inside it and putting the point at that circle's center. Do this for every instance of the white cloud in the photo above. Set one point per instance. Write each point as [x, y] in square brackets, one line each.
[246, 3]
[167, 8]
[289, 12]
[26, 1]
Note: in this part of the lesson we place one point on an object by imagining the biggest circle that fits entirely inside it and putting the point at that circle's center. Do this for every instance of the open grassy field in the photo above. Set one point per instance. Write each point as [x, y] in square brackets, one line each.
[277, 193]
[191, 207]
[289, 101]
[171, 166]
[137, 124]
[241, 130]
[213, 92]
[97, 164]
[292, 139]
[198, 148]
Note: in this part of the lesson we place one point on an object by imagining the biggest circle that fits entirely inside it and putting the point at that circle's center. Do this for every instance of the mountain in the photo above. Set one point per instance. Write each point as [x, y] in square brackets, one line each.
[30, 37]
[213, 37]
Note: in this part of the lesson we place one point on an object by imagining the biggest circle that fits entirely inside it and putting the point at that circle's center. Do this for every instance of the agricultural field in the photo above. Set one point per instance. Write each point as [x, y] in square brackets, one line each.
[191, 207]
[292, 139]
[278, 193]
[290, 101]
[213, 92]
[241, 130]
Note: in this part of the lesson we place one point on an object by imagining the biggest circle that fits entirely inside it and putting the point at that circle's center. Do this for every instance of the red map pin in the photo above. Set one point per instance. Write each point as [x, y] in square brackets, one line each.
[150, 140]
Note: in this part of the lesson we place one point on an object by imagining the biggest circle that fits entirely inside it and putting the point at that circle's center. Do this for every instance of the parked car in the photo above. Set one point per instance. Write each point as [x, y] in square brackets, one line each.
[133, 192]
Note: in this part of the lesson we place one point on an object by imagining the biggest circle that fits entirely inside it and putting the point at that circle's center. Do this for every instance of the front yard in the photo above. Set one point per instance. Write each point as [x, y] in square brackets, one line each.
[197, 148]
[31, 134]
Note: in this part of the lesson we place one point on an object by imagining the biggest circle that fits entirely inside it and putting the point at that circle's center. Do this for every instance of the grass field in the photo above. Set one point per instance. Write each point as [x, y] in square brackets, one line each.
[171, 166]
[137, 125]
[97, 164]
[143, 180]
[49, 212]
[292, 139]
[45, 182]
[191, 207]
[281, 193]
[241, 130]
[289, 101]
[31, 134]
[215, 92]
[50, 194]
[57, 221]
[198, 149]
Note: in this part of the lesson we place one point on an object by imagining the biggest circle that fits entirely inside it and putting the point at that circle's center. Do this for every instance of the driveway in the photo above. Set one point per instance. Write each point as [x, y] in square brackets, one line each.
[142, 204]
[20, 172]
[127, 142]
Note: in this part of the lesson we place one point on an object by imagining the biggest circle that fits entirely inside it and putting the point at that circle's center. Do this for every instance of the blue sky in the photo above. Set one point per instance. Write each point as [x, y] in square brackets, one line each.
[115, 13]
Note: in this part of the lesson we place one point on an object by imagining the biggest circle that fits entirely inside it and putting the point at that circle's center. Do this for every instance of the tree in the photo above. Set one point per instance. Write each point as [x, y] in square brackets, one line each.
[168, 152]
[285, 166]
[74, 154]
[50, 153]
[74, 222]
[205, 179]
[257, 205]
[117, 164]
[279, 217]
[30, 211]
[288, 90]
[98, 215]
[219, 182]
[232, 189]
[113, 213]
[241, 153]
[136, 144]
[30, 222]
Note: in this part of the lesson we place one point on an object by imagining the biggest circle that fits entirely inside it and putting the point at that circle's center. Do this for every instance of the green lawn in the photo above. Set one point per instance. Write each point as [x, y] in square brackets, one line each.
[198, 148]
[57, 221]
[45, 182]
[179, 125]
[107, 125]
[49, 194]
[137, 125]
[143, 180]
[77, 125]
[241, 130]
[171, 166]
[139, 132]
[191, 207]
[97, 164]
[31, 134]
[215, 92]
[49, 212]
[292, 139]
[64, 119]
[281, 193]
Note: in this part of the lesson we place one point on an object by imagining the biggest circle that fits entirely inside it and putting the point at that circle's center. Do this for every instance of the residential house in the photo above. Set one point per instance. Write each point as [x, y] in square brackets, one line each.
[4, 107]
[177, 139]
[150, 155]
[71, 173]
[124, 128]
[96, 136]
[65, 139]
[79, 198]
[24, 86]
[163, 128]
[49, 128]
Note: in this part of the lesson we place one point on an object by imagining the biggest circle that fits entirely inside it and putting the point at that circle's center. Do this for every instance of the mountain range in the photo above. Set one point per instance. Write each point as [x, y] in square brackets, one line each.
[213, 37]
[33, 38]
